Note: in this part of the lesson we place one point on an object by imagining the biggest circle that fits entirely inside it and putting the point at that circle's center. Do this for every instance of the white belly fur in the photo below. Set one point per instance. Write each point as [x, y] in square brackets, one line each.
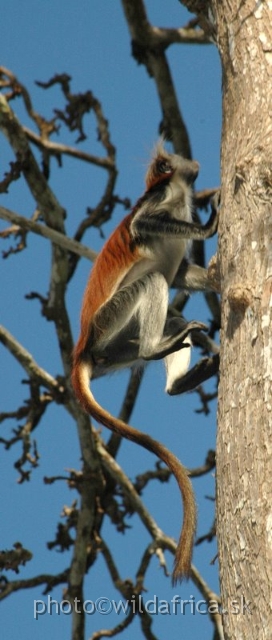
[163, 257]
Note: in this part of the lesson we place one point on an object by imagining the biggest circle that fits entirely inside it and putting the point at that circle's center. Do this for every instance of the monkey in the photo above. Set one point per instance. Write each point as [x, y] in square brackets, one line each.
[124, 309]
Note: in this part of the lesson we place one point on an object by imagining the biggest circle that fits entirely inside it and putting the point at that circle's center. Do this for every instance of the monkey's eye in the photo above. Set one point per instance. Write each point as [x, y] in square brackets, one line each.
[164, 167]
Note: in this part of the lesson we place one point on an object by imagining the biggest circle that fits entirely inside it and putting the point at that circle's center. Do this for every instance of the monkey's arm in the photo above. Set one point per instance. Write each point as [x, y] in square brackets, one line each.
[195, 278]
[162, 224]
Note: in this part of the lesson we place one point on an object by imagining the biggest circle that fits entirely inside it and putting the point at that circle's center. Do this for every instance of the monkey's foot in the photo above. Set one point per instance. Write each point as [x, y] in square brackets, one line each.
[175, 342]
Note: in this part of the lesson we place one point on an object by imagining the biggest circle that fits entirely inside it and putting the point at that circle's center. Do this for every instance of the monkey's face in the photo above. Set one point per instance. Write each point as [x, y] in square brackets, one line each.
[166, 166]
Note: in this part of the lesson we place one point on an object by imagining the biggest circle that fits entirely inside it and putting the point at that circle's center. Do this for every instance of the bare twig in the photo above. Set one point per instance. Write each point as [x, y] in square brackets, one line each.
[26, 360]
[148, 554]
[148, 48]
[46, 232]
[211, 599]
[110, 633]
[53, 214]
[163, 474]
[11, 559]
[6, 588]
[57, 148]
[48, 204]
[120, 477]
[183, 35]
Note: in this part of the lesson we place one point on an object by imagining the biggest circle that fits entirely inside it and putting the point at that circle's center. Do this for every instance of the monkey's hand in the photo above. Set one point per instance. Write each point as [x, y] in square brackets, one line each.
[214, 275]
[215, 205]
[216, 199]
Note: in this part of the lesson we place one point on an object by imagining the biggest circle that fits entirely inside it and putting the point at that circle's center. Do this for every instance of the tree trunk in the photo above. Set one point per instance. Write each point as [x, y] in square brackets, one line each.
[244, 474]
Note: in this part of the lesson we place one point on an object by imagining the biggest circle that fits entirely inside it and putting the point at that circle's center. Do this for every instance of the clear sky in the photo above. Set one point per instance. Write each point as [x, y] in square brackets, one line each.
[89, 40]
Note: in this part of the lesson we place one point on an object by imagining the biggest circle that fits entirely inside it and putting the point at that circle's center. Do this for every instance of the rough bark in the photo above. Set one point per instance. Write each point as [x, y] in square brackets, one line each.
[244, 445]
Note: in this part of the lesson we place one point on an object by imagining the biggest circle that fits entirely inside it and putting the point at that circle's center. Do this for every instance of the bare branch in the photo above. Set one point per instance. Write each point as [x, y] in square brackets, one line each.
[26, 360]
[53, 214]
[195, 6]
[120, 477]
[12, 558]
[151, 35]
[110, 633]
[46, 232]
[48, 204]
[183, 35]
[131, 593]
[148, 554]
[6, 588]
[148, 50]
[210, 597]
[57, 148]
[163, 474]
[8, 79]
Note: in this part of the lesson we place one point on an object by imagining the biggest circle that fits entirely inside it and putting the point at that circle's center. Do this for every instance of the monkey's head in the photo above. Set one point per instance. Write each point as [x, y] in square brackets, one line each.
[166, 165]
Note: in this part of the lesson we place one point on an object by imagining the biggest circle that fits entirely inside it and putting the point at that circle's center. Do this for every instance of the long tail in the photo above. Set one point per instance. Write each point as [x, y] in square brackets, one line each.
[80, 379]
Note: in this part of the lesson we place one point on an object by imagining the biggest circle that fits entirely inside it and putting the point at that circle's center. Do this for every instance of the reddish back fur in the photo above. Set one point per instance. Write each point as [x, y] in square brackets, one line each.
[110, 267]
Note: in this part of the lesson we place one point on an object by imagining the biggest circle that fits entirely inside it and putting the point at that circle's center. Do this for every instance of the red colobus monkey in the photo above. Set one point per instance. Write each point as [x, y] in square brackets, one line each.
[124, 311]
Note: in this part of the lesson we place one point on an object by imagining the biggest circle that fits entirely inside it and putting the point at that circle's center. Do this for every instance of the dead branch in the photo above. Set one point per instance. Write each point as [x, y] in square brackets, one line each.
[51, 581]
[28, 363]
[58, 149]
[148, 49]
[46, 232]
[120, 477]
[13, 558]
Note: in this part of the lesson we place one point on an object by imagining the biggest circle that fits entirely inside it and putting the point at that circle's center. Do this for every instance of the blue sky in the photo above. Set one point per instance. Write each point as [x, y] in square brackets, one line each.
[90, 41]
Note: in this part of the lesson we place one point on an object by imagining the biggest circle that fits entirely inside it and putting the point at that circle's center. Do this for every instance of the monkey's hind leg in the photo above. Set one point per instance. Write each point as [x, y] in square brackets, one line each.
[175, 342]
[159, 337]
[177, 364]
[152, 313]
[135, 316]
